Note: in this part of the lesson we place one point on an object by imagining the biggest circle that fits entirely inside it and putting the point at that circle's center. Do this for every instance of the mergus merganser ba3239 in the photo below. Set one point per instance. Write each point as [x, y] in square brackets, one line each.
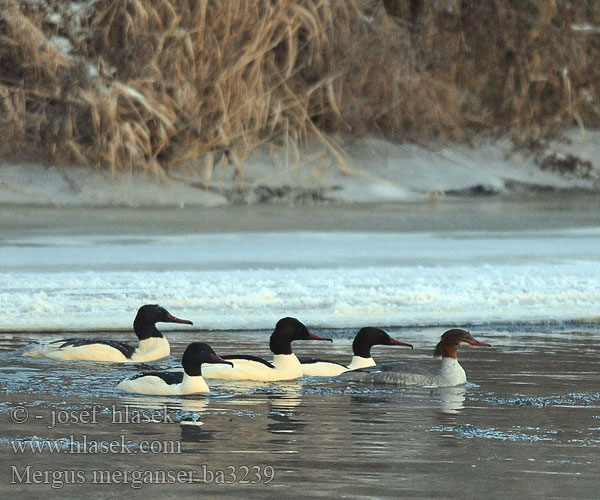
[361, 347]
[152, 345]
[285, 364]
[188, 381]
[411, 374]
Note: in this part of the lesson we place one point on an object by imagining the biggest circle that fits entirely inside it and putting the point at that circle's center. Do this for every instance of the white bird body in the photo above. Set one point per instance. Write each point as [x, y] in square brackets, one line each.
[151, 346]
[284, 367]
[154, 385]
[148, 350]
[176, 382]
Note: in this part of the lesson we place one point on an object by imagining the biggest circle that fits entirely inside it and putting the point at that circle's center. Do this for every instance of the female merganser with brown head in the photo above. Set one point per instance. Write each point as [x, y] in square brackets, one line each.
[188, 381]
[152, 345]
[285, 364]
[410, 374]
[361, 348]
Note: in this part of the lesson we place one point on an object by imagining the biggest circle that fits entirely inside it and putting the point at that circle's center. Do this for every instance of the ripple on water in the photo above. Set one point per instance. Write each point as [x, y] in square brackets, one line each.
[571, 399]
[470, 431]
[349, 390]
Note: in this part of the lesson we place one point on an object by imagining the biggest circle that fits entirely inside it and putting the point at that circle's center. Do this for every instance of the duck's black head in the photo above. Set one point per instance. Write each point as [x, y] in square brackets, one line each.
[147, 316]
[286, 331]
[197, 353]
[451, 339]
[368, 337]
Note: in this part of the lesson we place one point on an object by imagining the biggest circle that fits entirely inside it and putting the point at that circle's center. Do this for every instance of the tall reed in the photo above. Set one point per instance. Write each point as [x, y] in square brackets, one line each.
[146, 84]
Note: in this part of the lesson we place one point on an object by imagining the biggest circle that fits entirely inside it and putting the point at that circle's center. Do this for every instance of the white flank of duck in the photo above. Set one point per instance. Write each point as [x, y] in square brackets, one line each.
[285, 365]
[188, 381]
[152, 345]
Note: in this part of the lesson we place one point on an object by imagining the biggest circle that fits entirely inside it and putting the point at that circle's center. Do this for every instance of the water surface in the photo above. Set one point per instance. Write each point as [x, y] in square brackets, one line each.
[520, 273]
[527, 424]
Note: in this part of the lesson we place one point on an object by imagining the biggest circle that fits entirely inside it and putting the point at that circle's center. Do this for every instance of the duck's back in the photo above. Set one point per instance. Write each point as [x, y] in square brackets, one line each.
[82, 349]
[247, 367]
[408, 374]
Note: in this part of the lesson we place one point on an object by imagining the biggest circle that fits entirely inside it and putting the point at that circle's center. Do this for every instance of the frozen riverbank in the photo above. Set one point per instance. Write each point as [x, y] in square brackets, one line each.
[369, 170]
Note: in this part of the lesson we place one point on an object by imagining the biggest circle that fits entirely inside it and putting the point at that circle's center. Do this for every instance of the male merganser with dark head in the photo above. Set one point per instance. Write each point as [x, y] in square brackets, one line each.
[152, 345]
[450, 374]
[188, 381]
[285, 364]
[361, 347]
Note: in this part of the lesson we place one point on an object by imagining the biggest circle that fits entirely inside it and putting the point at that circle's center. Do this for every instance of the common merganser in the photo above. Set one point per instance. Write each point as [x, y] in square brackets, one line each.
[188, 381]
[361, 347]
[400, 373]
[152, 345]
[285, 364]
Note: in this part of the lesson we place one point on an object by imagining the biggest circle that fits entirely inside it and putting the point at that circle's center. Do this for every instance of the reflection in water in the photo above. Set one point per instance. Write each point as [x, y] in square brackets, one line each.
[282, 408]
[451, 403]
[288, 399]
[196, 433]
[452, 399]
[184, 410]
[167, 403]
[374, 400]
[364, 419]
[284, 424]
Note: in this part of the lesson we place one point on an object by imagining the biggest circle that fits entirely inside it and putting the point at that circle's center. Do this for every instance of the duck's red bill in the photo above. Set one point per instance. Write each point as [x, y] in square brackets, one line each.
[312, 336]
[476, 342]
[173, 319]
[397, 342]
[217, 359]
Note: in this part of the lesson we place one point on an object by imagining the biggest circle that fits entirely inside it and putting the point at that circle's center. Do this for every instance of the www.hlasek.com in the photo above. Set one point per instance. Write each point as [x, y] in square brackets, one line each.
[231, 474]
[87, 446]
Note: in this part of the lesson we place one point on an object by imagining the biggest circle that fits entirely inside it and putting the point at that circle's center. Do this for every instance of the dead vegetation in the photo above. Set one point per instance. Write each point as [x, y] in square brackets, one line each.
[569, 165]
[146, 84]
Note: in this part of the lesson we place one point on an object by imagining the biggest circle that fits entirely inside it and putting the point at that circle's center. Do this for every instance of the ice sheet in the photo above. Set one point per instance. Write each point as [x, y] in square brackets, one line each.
[250, 280]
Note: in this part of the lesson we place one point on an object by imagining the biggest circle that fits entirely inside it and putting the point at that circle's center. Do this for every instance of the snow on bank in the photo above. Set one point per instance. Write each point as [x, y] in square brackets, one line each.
[373, 170]
[49, 185]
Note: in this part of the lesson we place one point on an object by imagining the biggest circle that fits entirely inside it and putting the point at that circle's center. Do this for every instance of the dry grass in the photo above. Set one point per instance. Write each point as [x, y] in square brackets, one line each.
[153, 83]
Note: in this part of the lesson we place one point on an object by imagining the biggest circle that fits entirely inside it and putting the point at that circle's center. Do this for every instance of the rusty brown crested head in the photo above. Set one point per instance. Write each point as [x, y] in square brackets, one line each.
[451, 339]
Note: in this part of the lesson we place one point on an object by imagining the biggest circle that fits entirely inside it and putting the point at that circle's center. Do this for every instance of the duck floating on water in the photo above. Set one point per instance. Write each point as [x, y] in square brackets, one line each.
[285, 365]
[188, 381]
[152, 344]
[361, 348]
[416, 374]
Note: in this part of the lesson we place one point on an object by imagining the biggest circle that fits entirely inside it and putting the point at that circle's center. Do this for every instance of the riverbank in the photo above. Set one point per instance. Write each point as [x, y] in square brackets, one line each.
[368, 171]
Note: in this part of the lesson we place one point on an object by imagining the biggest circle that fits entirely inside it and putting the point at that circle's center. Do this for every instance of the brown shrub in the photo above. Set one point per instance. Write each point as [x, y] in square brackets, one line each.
[146, 84]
